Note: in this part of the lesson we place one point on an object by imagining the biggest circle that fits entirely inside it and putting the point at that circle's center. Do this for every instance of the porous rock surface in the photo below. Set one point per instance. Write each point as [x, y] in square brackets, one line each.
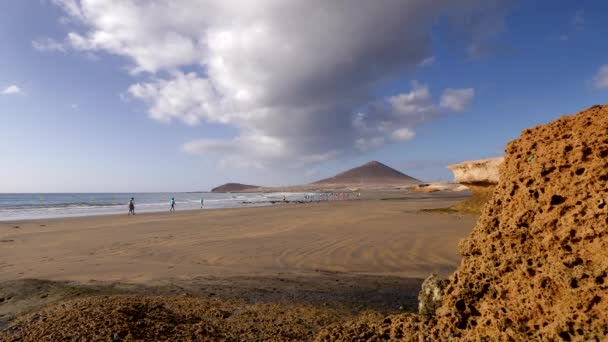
[166, 318]
[535, 266]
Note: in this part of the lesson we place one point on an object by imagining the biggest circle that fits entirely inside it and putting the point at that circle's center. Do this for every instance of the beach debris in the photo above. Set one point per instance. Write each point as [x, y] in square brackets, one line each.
[535, 267]
[431, 295]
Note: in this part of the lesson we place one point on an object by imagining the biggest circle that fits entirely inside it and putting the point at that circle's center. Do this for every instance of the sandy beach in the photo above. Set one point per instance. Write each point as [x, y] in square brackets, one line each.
[375, 237]
[334, 259]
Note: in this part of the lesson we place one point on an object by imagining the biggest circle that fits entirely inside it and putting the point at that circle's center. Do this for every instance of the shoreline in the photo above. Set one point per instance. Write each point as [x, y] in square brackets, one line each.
[148, 213]
[110, 215]
[365, 196]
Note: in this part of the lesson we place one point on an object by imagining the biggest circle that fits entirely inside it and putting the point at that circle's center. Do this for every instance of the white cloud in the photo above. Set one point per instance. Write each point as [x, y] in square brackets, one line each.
[427, 61]
[403, 134]
[457, 100]
[601, 78]
[321, 157]
[11, 90]
[396, 116]
[72, 7]
[418, 102]
[366, 144]
[293, 72]
[257, 148]
[185, 97]
[48, 44]
[381, 118]
[257, 145]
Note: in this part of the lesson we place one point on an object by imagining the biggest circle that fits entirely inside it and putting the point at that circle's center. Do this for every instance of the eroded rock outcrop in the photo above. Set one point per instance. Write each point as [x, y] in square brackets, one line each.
[479, 176]
[535, 266]
[477, 172]
[431, 295]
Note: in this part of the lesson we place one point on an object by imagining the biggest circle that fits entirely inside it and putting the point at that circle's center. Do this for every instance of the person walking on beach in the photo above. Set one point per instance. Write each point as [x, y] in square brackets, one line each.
[202, 202]
[132, 206]
[172, 204]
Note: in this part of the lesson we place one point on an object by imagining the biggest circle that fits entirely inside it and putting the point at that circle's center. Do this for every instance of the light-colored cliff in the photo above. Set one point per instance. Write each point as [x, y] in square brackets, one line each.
[477, 172]
[479, 176]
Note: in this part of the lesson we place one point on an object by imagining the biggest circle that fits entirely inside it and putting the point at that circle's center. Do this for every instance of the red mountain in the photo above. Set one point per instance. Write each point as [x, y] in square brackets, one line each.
[371, 173]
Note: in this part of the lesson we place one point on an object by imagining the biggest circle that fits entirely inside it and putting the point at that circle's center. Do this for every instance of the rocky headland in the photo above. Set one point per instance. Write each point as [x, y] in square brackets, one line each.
[479, 176]
[535, 266]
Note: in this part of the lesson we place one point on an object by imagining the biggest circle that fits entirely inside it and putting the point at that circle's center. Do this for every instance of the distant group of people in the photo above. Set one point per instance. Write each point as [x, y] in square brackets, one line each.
[171, 203]
[314, 197]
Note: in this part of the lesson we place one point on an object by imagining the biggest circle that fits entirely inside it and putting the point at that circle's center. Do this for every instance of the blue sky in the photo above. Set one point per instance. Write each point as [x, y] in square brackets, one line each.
[112, 96]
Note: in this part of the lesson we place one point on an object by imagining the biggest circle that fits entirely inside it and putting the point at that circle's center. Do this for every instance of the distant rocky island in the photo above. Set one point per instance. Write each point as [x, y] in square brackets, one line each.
[372, 175]
[233, 187]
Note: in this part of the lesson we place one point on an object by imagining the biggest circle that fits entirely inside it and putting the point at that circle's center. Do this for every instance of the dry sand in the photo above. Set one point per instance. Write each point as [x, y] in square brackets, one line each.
[368, 237]
[316, 263]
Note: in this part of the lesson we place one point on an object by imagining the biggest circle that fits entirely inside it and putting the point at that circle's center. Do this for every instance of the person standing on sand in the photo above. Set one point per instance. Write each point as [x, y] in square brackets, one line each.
[202, 202]
[132, 206]
[172, 204]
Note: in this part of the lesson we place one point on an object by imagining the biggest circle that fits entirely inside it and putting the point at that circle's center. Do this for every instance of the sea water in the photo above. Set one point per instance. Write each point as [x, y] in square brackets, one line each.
[37, 206]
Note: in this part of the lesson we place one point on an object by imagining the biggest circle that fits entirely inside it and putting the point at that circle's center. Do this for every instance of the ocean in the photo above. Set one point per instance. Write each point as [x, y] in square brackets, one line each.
[37, 206]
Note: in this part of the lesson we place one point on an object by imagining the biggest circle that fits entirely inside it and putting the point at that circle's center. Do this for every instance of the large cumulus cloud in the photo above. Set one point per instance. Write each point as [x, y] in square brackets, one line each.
[297, 78]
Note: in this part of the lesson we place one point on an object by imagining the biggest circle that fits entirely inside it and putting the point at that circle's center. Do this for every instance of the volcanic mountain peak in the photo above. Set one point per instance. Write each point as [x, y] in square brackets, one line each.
[373, 172]
[374, 163]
